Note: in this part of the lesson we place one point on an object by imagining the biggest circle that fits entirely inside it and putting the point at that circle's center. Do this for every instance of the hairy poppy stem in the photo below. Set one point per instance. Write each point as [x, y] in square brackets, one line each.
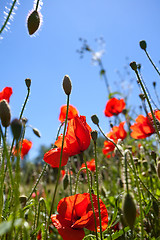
[59, 169]
[90, 192]
[80, 170]
[152, 62]
[37, 5]
[139, 193]
[143, 88]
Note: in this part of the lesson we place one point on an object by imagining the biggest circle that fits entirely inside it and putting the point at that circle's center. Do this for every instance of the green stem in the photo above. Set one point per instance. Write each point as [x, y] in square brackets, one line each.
[139, 194]
[152, 62]
[37, 5]
[90, 193]
[9, 14]
[108, 139]
[59, 169]
[97, 185]
[80, 170]
[126, 174]
[146, 96]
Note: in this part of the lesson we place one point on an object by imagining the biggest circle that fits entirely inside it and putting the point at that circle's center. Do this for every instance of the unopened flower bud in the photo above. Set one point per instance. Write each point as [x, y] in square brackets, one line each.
[24, 120]
[16, 127]
[23, 200]
[67, 85]
[33, 22]
[158, 169]
[36, 132]
[133, 65]
[28, 82]
[129, 210]
[94, 135]
[5, 113]
[142, 96]
[143, 44]
[95, 119]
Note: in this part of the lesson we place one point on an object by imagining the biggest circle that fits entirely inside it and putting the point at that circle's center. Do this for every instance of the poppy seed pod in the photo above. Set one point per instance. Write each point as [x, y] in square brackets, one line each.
[33, 22]
[28, 82]
[95, 119]
[67, 85]
[5, 113]
[16, 127]
[143, 44]
[36, 132]
[133, 65]
[129, 210]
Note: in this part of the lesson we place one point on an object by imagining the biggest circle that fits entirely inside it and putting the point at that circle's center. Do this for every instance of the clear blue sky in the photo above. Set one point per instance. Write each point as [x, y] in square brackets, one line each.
[51, 54]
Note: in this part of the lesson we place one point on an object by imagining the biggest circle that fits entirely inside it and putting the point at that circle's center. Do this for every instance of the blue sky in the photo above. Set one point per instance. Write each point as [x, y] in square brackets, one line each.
[51, 54]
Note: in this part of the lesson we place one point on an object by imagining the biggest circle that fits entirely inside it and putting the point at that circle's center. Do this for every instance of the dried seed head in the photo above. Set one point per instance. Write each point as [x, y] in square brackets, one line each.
[33, 22]
[5, 113]
[158, 169]
[133, 65]
[67, 85]
[129, 210]
[95, 119]
[94, 135]
[143, 44]
[16, 127]
[28, 82]
[36, 132]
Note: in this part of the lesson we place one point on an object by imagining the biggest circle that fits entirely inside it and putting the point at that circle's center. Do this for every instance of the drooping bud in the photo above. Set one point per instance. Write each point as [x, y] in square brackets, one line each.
[36, 132]
[94, 135]
[16, 127]
[142, 96]
[158, 169]
[33, 22]
[23, 200]
[133, 65]
[67, 85]
[28, 82]
[95, 119]
[129, 210]
[143, 44]
[5, 113]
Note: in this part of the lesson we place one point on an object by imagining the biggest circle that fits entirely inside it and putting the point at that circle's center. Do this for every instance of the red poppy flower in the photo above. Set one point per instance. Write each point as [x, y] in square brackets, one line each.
[26, 146]
[90, 165]
[75, 213]
[114, 106]
[72, 112]
[77, 140]
[117, 132]
[144, 126]
[6, 93]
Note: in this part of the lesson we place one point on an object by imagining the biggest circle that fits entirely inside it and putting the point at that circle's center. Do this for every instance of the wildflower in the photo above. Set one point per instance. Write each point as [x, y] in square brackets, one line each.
[77, 140]
[72, 112]
[144, 126]
[117, 132]
[114, 106]
[6, 93]
[26, 146]
[90, 165]
[75, 213]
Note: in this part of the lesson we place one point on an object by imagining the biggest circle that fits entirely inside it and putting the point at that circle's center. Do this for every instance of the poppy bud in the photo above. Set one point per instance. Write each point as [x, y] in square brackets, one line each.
[16, 127]
[5, 113]
[158, 169]
[23, 200]
[142, 96]
[33, 22]
[67, 85]
[24, 120]
[129, 210]
[133, 65]
[28, 82]
[143, 44]
[94, 135]
[95, 119]
[36, 132]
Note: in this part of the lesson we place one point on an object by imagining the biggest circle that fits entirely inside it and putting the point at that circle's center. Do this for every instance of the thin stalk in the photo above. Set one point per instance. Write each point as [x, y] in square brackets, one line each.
[9, 14]
[126, 173]
[108, 139]
[104, 76]
[97, 185]
[90, 193]
[152, 62]
[139, 194]
[80, 170]
[59, 169]
[37, 5]
[146, 96]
